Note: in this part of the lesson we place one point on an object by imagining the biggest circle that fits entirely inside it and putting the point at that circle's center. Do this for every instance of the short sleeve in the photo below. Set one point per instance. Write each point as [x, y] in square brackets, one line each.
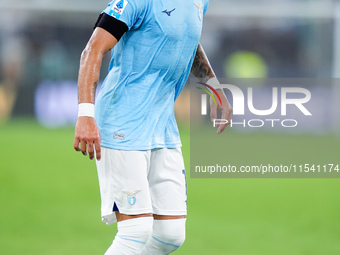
[206, 5]
[131, 12]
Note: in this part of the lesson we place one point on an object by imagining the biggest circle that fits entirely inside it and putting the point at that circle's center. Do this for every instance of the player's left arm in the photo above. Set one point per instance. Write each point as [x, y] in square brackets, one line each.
[203, 71]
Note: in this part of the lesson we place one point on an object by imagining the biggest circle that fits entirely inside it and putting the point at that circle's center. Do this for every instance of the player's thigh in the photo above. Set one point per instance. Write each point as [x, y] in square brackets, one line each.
[167, 180]
[123, 178]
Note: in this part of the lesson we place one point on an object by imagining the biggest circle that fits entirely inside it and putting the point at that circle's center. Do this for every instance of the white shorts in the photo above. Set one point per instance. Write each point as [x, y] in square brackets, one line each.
[140, 182]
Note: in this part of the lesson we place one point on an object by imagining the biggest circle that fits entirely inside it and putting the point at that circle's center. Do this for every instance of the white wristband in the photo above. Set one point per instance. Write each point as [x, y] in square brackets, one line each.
[213, 82]
[86, 110]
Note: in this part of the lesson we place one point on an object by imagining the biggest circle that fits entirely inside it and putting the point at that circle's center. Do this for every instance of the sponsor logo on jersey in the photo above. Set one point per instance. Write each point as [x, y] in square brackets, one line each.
[118, 8]
[118, 136]
[168, 12]
[200, 10]
[131, 196]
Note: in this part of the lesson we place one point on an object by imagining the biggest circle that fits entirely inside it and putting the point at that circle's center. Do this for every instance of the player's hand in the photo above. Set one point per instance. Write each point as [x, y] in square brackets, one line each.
[225, 108]
[87, 134]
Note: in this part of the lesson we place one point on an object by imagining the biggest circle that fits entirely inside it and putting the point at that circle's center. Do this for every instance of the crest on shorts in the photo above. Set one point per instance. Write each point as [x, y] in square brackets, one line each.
[200, 10]
[131, 196]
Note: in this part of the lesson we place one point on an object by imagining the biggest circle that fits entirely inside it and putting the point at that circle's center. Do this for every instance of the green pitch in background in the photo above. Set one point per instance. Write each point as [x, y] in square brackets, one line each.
[50, 204]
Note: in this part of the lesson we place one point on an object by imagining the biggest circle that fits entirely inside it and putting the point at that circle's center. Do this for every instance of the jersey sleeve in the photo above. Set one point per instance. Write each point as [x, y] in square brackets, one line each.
[131, 12]
[206, 5]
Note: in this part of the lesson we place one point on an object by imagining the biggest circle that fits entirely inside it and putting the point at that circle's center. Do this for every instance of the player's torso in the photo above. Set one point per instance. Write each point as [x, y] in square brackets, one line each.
[174, 19]
[169, 33]
[149, 67]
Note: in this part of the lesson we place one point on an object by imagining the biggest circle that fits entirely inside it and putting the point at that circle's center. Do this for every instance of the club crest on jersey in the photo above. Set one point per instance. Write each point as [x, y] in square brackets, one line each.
[200, 10]
[131, 196]
[118, 8]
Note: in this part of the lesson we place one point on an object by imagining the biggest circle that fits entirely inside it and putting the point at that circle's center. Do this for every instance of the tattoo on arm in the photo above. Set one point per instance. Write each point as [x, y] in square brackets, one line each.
[95, 84]
[201, 67]
[86, 94]
[93, 91]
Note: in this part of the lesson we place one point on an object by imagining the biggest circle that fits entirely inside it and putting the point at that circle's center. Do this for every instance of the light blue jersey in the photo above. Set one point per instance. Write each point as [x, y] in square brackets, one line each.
[149, 67]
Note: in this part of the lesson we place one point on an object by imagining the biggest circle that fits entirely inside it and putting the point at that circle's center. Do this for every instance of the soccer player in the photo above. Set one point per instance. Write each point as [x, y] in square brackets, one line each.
[134, 135]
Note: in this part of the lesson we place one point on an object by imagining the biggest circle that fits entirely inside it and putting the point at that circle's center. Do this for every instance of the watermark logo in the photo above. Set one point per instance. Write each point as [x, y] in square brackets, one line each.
[204, 97]
[281, 98]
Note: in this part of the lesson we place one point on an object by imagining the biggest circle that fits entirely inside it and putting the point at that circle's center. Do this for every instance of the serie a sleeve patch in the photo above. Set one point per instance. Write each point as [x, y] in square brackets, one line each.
[112, 25]
[117, 8]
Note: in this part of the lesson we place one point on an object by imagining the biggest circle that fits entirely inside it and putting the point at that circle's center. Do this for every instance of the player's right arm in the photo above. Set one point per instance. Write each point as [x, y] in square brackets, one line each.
[86, 130]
